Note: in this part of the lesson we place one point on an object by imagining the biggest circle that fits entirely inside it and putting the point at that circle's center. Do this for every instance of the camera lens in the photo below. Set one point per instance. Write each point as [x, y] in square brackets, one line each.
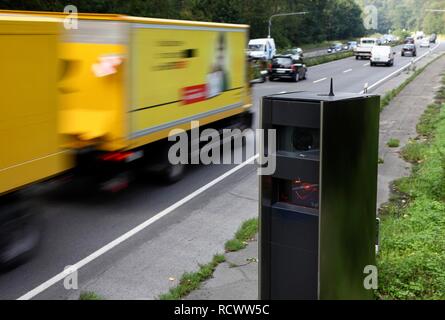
[303, 139]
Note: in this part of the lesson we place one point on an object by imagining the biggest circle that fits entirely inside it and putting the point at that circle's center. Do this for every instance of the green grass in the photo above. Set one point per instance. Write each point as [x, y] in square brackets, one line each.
[90, 296]
[393, 143]
[192, 280]
[245, 233]
[324, 44]
[428, 122]
[412, 254]
[414, 152]
[389, 96]
[327, 58]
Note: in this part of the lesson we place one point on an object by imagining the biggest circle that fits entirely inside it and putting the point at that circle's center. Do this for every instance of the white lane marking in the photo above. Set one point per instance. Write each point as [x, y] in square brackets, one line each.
[367, 64]
[399, 70]
[346, 71]
[132, 232]
[317, 81]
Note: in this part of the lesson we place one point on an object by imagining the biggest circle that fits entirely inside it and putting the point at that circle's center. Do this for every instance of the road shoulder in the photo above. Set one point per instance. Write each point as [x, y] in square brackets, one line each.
[237, 278]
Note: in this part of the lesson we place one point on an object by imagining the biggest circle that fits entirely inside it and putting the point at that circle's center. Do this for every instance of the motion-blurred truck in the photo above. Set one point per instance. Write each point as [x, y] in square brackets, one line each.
[364, 49]
[30, 146]
[127, 82]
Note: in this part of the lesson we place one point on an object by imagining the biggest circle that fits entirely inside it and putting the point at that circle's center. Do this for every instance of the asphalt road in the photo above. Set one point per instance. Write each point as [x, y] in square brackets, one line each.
[76, 226]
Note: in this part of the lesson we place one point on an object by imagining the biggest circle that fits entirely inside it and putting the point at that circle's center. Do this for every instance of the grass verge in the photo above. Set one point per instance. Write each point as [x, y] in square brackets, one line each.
[310, 62]
[387, 98]
[90, 296]
[192, 280]
[245, 233]
[412, 256]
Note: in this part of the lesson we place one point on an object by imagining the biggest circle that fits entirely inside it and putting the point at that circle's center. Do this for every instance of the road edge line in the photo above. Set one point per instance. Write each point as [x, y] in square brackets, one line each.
[60, 276]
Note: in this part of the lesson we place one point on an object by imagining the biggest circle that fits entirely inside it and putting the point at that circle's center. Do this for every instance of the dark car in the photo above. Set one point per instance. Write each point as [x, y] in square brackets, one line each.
[287, 67]
[409, 40]
[409, 49]
[296, 52]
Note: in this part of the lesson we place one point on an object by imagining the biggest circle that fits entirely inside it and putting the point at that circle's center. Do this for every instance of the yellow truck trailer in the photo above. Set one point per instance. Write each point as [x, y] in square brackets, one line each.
[30, 145]
[128, 81]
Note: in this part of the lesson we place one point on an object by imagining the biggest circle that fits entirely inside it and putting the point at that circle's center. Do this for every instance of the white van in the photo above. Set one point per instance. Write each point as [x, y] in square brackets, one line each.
[263, 49]
[382, 55]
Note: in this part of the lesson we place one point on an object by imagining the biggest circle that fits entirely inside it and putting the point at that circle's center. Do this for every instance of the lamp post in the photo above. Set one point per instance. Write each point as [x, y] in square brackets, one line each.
[283, 15]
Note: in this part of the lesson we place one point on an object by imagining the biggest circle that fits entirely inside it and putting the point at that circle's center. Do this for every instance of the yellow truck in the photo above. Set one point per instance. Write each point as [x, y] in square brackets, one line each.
[30, 145]
[102, 93]
[126, 82]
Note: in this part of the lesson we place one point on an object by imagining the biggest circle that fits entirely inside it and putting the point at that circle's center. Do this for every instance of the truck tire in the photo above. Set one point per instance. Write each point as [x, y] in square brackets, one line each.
[173, 173]
[20, 234]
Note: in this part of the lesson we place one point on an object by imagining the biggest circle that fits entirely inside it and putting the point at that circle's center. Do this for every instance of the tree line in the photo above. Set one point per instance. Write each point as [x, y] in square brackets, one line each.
[327, 19]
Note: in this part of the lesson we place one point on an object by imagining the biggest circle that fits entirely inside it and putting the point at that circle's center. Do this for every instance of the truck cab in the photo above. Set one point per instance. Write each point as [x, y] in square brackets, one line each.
[262, 49]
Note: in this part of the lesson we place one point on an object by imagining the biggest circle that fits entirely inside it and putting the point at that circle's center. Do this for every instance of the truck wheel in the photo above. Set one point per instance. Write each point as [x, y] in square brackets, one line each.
[19, 238]
[173, 173]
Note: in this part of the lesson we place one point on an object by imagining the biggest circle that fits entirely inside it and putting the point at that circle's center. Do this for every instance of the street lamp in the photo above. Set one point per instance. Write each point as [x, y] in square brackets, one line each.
[283, 15]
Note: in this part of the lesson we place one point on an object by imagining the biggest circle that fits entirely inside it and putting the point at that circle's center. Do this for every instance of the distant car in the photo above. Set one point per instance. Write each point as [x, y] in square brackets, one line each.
[349, 45]
[425, 43]
[409, 40]
[389, 38]
[336, 47]
[296, 52]
[352, 45]
[433, 38]
[382, 55]
[409, 50]
[285, 66]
